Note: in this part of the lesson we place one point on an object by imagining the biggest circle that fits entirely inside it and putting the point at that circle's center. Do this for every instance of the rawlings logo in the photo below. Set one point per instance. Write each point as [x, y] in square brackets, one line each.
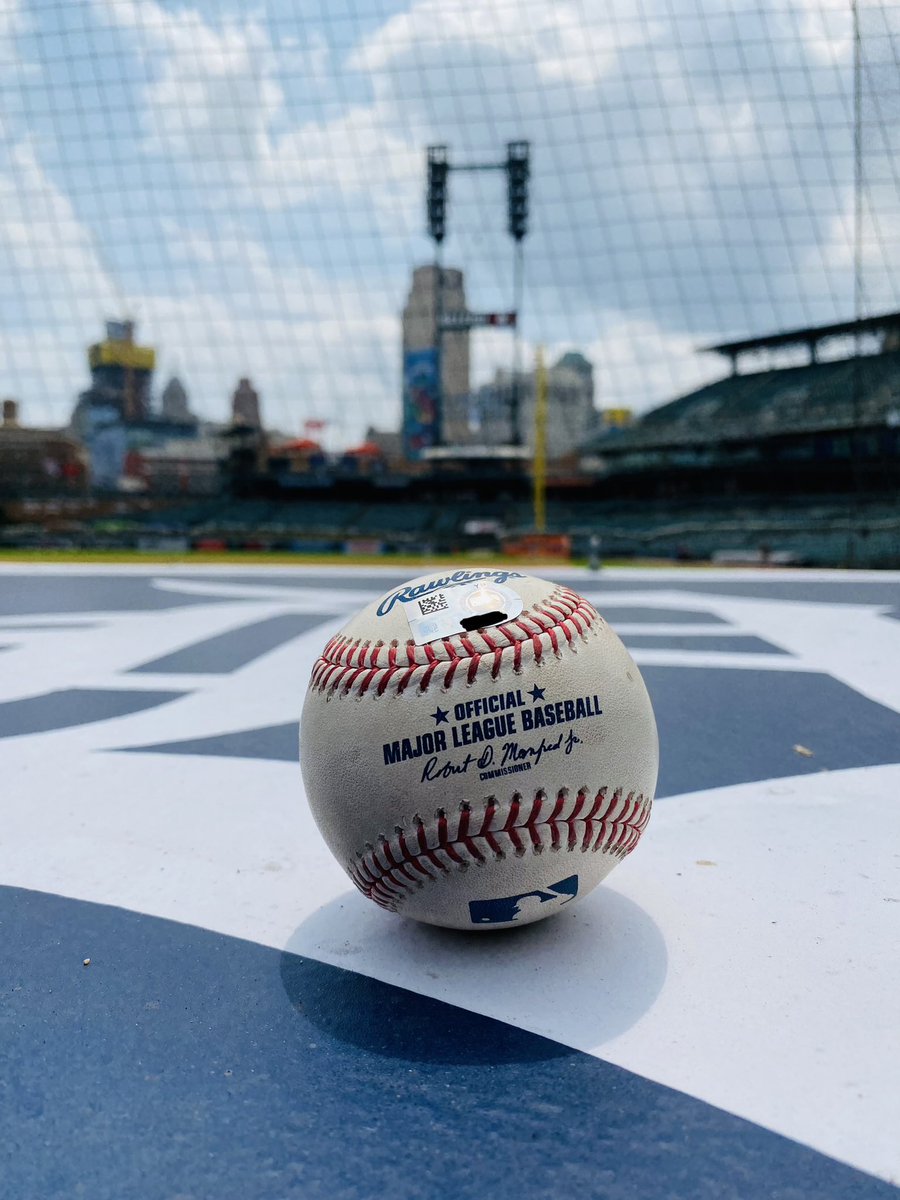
[405, 594]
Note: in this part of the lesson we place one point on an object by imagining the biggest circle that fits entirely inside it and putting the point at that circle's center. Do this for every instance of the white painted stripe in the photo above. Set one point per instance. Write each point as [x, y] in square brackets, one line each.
[721, 659]
[306, 599]
[676, 629]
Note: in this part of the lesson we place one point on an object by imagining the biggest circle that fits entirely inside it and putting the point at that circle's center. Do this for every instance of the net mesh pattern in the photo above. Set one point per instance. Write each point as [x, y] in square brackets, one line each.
[247, 184]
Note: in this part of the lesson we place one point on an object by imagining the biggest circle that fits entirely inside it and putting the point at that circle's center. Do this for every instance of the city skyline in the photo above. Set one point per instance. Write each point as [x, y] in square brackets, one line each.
[250, 188]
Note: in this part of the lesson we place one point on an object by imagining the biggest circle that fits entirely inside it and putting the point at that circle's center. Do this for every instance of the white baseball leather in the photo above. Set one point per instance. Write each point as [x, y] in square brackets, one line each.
[470, 830]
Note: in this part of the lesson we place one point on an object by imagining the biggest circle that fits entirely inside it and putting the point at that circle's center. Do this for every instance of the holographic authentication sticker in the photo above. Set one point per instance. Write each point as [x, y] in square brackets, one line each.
[461, 609]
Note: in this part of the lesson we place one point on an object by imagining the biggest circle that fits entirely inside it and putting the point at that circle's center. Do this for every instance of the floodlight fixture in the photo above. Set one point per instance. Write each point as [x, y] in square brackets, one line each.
[438, 167]
[518, 169]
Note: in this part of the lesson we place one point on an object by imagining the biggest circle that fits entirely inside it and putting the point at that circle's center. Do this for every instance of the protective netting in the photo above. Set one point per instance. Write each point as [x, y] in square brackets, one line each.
[248, 185]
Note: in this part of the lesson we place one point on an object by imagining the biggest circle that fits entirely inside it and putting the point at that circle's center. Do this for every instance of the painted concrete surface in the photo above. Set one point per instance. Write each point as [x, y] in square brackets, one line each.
[718, 1019]
[218, 1067]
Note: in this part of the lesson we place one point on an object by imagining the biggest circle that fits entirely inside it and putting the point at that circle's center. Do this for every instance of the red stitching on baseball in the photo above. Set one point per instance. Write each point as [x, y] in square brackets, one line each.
[393, 880]
[426, 678]
[404, 681]
[352, 665]
[382, 684]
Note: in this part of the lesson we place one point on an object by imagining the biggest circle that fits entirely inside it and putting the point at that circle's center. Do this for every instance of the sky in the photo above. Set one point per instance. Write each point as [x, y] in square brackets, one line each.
[247, 182]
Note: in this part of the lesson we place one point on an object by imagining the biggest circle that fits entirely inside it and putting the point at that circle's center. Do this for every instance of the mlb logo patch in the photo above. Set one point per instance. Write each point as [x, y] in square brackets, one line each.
[510, 908]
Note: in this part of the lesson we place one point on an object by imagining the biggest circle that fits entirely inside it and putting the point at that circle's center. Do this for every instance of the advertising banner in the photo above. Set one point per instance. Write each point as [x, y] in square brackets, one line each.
[107, 444]
[421, 401]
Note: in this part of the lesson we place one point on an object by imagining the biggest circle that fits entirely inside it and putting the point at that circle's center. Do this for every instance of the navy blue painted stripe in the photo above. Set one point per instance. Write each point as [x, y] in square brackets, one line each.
[229, 651]
[719, 643]
[277, 743]
[74, 706]
[719, 727]
[69, 592]
[185, 1063]
[642, 614]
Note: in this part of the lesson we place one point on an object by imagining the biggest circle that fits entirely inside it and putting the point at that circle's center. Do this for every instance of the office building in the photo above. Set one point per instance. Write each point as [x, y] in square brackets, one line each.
[430, 412]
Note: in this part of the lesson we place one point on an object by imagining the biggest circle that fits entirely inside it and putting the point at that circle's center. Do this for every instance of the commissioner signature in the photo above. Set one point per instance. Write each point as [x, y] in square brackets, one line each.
[511, 755]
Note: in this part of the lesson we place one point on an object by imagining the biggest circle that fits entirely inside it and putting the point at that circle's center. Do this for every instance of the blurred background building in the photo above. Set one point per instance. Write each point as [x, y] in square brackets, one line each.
[116, 418]
[245, 405]
[570, 401]
[121, 372]
[174, 406]
[433, 414]
[39, 462]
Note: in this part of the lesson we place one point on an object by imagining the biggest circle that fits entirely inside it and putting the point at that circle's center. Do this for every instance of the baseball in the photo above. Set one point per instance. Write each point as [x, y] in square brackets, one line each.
[478, 749]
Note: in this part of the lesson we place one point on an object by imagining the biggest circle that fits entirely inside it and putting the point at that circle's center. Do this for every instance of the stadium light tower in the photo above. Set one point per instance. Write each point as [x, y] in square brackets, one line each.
[517, 166]
[436, 205]
[518, 170]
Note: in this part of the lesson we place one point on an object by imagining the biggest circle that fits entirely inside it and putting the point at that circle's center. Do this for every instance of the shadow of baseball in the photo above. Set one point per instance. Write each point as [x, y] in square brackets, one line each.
[415, 992]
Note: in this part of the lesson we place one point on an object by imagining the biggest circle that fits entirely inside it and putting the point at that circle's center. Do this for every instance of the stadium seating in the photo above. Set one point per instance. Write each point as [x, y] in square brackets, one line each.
[856, 392]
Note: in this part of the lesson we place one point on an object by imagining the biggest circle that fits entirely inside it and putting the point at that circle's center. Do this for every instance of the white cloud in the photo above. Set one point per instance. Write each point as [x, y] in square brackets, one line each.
[11, 20]
[44, 244]
[54, 288]
[826, 27]
[877, 257]
[638, 364]
[213, 92]
[563, 41]
[14, 69]
[309, 56]
[355, 153]
[215, 104]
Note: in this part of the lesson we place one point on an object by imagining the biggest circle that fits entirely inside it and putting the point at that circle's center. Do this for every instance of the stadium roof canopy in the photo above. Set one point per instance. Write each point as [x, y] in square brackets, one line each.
[810, 336]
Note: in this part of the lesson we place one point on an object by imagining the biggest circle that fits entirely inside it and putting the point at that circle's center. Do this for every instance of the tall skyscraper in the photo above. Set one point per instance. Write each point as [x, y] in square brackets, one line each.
[434, 290]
